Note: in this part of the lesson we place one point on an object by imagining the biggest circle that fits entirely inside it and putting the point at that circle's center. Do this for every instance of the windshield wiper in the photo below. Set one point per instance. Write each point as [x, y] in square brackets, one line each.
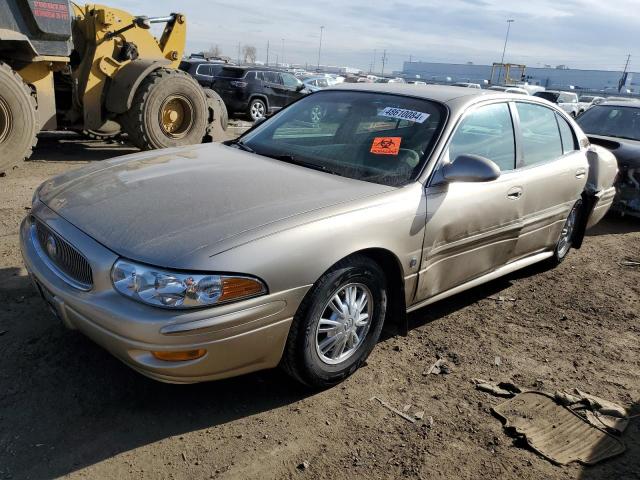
[296, 161]
[242, 146]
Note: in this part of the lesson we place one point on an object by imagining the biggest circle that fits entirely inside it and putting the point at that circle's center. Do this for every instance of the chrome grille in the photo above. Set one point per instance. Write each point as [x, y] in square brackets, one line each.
[63, 256]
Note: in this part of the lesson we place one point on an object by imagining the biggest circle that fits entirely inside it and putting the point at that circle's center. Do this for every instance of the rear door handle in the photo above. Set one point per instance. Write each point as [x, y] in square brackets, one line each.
[514, 193]
[581, 172]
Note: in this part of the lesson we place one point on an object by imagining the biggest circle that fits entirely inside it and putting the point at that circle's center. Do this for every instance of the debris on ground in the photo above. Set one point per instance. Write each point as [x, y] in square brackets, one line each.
[500, 299]
[629, 262]
[408, 418]
[440, 367]
[304, 465]
[502, 389]
[597, 411]
[555, 431]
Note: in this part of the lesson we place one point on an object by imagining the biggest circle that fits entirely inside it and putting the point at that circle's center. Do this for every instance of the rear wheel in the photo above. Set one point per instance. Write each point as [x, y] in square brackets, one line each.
[567, 235]
[257, 109]
[218, 119]
[338, 323]
[169, 109]
[18, 119]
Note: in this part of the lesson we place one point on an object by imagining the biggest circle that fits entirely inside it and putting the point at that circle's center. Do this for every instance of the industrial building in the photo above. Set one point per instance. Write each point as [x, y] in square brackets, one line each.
[559, 77]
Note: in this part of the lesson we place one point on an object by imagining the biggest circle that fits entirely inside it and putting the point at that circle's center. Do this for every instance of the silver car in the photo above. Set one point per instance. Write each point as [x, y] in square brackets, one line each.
[294, 244]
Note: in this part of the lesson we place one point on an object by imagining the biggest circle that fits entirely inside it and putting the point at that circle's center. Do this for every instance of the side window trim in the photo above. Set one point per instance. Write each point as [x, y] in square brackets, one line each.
[208, 74]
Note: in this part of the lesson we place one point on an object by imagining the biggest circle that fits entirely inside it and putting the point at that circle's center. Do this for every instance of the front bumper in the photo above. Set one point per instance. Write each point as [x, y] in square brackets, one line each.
[238, 338]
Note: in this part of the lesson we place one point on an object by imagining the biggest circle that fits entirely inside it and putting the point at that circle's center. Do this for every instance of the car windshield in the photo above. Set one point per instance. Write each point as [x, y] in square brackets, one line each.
[380, 138]
[551, 96]
[611, 121]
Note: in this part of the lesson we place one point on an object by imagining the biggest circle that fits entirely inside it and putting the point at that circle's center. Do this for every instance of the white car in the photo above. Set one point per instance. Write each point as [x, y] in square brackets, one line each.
[516, 90]
[567, 101]
[467, 85]
[587, 101]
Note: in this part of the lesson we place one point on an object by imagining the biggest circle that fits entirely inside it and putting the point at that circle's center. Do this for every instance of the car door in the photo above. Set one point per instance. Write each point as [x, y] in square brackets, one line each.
[274, 89]
[472, 228]
[203, 74]
[553, 172]
[293, 87]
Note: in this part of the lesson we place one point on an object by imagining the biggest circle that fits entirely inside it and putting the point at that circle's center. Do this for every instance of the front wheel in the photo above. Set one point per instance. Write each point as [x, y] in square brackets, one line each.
[338, 323]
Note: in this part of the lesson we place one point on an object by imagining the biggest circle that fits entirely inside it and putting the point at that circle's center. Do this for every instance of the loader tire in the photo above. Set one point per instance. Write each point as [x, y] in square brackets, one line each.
[169, 109]
[18, 119]
[218, 120]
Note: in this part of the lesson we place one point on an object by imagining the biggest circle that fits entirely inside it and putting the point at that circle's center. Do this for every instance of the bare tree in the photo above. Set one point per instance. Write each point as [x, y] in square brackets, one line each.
[249, 54]
[214, 51]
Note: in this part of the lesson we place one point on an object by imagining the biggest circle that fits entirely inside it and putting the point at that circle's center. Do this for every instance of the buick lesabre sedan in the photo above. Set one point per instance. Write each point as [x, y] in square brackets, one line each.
[294, 244]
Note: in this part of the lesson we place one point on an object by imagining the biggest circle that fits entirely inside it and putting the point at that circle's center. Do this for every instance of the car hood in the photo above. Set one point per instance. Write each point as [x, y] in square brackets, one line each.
[161, 207]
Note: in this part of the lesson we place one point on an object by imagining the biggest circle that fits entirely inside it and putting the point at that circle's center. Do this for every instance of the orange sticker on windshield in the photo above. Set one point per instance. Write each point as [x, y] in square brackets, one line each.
[386, 145]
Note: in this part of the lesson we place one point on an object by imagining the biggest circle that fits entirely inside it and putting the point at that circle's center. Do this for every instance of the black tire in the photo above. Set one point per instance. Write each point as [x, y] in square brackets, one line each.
[301, 358]
[218, 119]
[109, 131]
[562, 248]
[18, 119]
[142, 122]
[255, 106]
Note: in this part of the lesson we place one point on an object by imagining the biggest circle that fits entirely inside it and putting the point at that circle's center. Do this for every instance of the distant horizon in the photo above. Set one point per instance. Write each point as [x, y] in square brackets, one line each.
[582, 34]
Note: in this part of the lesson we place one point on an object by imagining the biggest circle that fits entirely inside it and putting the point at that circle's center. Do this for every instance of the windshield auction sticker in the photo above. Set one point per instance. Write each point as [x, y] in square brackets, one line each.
[402, 114]
[386, 145]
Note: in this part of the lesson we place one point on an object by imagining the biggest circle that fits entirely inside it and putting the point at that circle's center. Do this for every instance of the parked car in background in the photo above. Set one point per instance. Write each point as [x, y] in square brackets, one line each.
[615, 125]
[467, 85]
[505, 89]
[294, 244]
[202, 70]
[568, 101]
[586, 101]
[313, 84]
[256, 91]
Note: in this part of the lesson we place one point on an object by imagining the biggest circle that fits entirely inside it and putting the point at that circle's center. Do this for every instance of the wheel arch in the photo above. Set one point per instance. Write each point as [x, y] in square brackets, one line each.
[397, 306]
[125, 84]
[260, 96]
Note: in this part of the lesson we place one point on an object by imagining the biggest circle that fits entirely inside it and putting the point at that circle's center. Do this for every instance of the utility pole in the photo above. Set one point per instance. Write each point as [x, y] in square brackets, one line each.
[504, 50]
[282, 56]
[267, 53]
[384, 61]
[623, 79]
[320, 47]
[238, 53]
[373, 63]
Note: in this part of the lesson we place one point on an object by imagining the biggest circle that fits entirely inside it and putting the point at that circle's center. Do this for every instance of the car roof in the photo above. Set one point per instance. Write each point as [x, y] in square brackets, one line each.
[632, 102]
[439, 93]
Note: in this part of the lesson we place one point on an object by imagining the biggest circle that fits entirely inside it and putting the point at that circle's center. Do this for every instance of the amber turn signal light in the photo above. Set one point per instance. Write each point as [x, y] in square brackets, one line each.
[239, 287]
[180, 356]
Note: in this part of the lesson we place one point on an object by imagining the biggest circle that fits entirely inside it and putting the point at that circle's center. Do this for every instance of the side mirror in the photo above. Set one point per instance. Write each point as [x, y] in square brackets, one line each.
[300, 87]
[470, 168]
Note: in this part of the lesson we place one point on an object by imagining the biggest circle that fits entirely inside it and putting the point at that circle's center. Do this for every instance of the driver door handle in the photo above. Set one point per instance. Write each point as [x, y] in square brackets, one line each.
[514, 193]
[581, 172]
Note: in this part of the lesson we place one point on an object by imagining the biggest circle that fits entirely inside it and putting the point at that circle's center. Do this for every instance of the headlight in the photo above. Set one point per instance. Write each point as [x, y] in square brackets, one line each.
[162, 288]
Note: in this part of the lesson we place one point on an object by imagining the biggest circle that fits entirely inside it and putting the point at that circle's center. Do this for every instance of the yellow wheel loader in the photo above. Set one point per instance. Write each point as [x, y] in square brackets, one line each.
[97, 70]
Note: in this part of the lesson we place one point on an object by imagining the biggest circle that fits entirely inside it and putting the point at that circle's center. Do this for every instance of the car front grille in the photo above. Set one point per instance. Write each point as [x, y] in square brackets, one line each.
[70, 264]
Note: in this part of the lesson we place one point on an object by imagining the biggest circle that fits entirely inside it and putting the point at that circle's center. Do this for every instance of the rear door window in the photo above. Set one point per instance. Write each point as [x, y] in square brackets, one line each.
[271, 77]
[203, 69]
[541, 142]
[488, 132]
[569, 143]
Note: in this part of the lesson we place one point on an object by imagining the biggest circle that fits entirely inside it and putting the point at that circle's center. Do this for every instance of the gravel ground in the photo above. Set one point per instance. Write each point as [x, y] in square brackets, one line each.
[68, 408]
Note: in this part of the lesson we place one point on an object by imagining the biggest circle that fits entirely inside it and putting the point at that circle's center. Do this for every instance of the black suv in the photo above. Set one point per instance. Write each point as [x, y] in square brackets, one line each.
[256, 91]
[203, 70]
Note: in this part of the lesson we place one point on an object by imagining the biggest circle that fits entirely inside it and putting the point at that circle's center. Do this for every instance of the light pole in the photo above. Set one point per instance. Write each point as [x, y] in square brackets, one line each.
[504, 50]
[282, 57]
[320, 47]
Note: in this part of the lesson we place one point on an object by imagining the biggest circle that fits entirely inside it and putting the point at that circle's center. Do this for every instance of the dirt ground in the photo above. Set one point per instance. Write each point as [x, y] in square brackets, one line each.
[69, 409]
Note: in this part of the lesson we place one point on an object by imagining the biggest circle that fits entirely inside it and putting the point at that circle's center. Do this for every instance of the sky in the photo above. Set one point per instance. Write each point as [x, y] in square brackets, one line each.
[589, 34]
